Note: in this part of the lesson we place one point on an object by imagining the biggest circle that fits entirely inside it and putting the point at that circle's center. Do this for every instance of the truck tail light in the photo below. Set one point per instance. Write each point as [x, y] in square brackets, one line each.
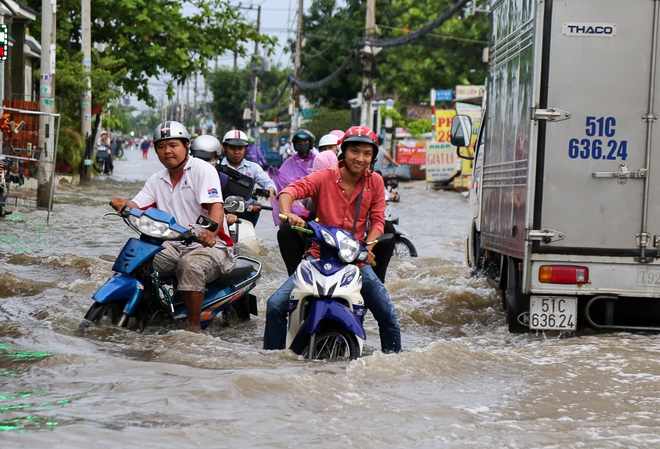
[563, 274]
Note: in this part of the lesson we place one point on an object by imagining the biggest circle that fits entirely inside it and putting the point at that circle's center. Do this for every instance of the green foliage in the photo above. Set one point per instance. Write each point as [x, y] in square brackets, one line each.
[106, 75]
[330, 33]
[156, 38]
[395, 115]
[70, 145]
[231, 88]
[433, 61]
[419, 127]
[326, 120]
[411, 70]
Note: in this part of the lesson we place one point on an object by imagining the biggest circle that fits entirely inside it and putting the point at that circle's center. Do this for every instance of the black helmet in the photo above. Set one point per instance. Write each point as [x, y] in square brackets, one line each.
[303, 149]
[205, 147]
[302, 134]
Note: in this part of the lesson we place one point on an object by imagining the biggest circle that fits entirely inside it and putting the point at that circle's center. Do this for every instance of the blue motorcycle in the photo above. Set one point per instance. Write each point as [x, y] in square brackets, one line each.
[136, 295]
[326, 307]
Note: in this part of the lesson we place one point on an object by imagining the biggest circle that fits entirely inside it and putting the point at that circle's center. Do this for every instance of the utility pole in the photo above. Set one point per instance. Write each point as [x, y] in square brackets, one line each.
[181, 104]
[298, 69]
[367, 63]
[46, 103]
[86, 100]
[195, 113]
[255, 81]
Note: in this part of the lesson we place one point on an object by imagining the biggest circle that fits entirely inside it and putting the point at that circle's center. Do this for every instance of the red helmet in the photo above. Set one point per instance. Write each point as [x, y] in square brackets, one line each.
[359, 134]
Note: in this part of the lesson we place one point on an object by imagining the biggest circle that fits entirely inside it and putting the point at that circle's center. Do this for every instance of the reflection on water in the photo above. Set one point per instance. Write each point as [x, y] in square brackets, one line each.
[23, 402]
[462, 380]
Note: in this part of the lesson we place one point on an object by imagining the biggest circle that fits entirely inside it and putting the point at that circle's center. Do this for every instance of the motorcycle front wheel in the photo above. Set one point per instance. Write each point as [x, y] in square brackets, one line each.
[402, 249]
[336, 344]
[100, 166]
[108, 314]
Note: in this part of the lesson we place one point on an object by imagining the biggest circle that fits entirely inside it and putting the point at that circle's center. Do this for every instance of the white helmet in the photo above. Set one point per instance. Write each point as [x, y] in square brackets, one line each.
[235, 137]
[205, 147]
[170, 130]
[328, 139]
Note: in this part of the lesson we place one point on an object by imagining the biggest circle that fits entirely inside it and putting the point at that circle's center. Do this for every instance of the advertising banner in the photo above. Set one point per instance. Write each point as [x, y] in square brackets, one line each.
[411, 153]
[440, 162]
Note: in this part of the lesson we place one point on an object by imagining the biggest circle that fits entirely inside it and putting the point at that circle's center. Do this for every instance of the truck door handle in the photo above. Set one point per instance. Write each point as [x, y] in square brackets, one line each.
[623, 174]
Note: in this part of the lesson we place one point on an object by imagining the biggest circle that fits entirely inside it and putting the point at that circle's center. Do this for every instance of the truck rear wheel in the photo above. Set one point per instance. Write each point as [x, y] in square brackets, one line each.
[517, 304]
[477, 254]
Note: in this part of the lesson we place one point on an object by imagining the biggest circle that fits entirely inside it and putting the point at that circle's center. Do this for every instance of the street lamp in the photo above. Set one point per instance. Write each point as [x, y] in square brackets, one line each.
[375, 107]
[356, 109]
[389, 104]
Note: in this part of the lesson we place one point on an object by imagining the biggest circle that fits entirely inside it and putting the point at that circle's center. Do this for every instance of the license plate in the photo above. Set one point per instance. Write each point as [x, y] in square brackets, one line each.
[553, 313]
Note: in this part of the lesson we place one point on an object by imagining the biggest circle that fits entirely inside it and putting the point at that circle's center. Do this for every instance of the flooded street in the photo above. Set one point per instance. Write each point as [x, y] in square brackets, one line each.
[462, 381]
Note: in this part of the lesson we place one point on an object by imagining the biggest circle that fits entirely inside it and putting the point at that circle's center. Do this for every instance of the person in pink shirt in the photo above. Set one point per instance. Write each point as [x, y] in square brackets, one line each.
[336, 194]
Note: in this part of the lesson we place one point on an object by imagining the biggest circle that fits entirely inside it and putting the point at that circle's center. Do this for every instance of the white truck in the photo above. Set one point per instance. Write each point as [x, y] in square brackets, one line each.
[565, 192]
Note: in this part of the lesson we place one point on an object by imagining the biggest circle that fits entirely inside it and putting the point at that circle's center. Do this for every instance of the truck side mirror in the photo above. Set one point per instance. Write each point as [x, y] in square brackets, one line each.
[461, 134]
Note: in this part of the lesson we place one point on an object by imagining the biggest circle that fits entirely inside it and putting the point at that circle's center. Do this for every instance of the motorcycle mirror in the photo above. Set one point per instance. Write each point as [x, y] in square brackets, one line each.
[264, 193]
[234, 204]
[207, 223]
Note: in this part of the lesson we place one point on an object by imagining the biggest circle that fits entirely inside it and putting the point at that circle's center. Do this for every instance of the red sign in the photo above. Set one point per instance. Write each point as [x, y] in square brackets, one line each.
[411, 155]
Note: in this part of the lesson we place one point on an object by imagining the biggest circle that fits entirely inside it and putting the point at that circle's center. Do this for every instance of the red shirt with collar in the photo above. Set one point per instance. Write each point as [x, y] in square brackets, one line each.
[332, 206]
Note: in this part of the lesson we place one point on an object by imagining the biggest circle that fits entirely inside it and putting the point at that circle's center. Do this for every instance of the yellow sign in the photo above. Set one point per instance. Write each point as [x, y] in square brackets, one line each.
[440, 162]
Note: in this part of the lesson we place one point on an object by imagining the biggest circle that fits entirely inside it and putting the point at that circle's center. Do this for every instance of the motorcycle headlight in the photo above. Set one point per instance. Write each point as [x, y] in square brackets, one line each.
[154, 228]
[327, 237]
[348, 247]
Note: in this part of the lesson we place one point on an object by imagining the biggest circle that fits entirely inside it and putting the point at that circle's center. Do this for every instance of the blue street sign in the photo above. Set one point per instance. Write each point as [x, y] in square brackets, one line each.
[443, 95]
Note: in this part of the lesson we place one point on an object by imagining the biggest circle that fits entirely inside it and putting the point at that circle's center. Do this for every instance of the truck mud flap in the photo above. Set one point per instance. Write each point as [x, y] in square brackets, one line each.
[600, 314]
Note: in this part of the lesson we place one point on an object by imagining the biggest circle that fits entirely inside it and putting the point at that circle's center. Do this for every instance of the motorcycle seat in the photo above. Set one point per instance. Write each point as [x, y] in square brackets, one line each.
[241, 271]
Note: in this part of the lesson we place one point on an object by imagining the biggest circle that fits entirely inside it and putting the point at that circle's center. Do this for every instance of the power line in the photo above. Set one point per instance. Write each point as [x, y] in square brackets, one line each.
[316, 84]
[426, 29]
[442, 36]
[396, 42]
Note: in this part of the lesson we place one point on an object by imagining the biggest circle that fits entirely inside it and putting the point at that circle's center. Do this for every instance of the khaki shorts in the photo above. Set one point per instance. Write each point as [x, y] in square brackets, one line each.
[194, 267]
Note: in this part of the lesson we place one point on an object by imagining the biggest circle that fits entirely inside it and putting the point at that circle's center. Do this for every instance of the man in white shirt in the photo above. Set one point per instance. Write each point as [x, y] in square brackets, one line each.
[235, 143]
[186, 188]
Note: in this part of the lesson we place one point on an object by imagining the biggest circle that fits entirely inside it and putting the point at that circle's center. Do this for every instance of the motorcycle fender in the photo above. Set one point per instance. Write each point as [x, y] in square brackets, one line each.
[133, 254]
[332, 310]
[120, 287]
[399, 231]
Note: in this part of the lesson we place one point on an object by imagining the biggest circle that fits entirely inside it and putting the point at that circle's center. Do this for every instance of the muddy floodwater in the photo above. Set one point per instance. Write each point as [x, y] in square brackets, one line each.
[462, 380]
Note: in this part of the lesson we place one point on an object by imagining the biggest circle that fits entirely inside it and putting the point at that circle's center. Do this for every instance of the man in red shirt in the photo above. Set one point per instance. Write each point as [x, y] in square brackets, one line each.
[335, 193]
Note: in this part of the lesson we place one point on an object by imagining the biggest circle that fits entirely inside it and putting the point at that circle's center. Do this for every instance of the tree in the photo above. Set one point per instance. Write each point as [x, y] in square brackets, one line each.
[232, 88]
[325, 120]
[449, 56]
[157, 38]
[105, 75]
[331, 32]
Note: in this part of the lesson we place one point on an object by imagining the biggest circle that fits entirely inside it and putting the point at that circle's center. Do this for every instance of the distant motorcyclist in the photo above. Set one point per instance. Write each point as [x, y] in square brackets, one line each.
[103, 146]
[285, 149]
[329, 142]
[253, 153]
[186, 188]
[235, 143]
[296, 167]
[208, 148]
[383, 157]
